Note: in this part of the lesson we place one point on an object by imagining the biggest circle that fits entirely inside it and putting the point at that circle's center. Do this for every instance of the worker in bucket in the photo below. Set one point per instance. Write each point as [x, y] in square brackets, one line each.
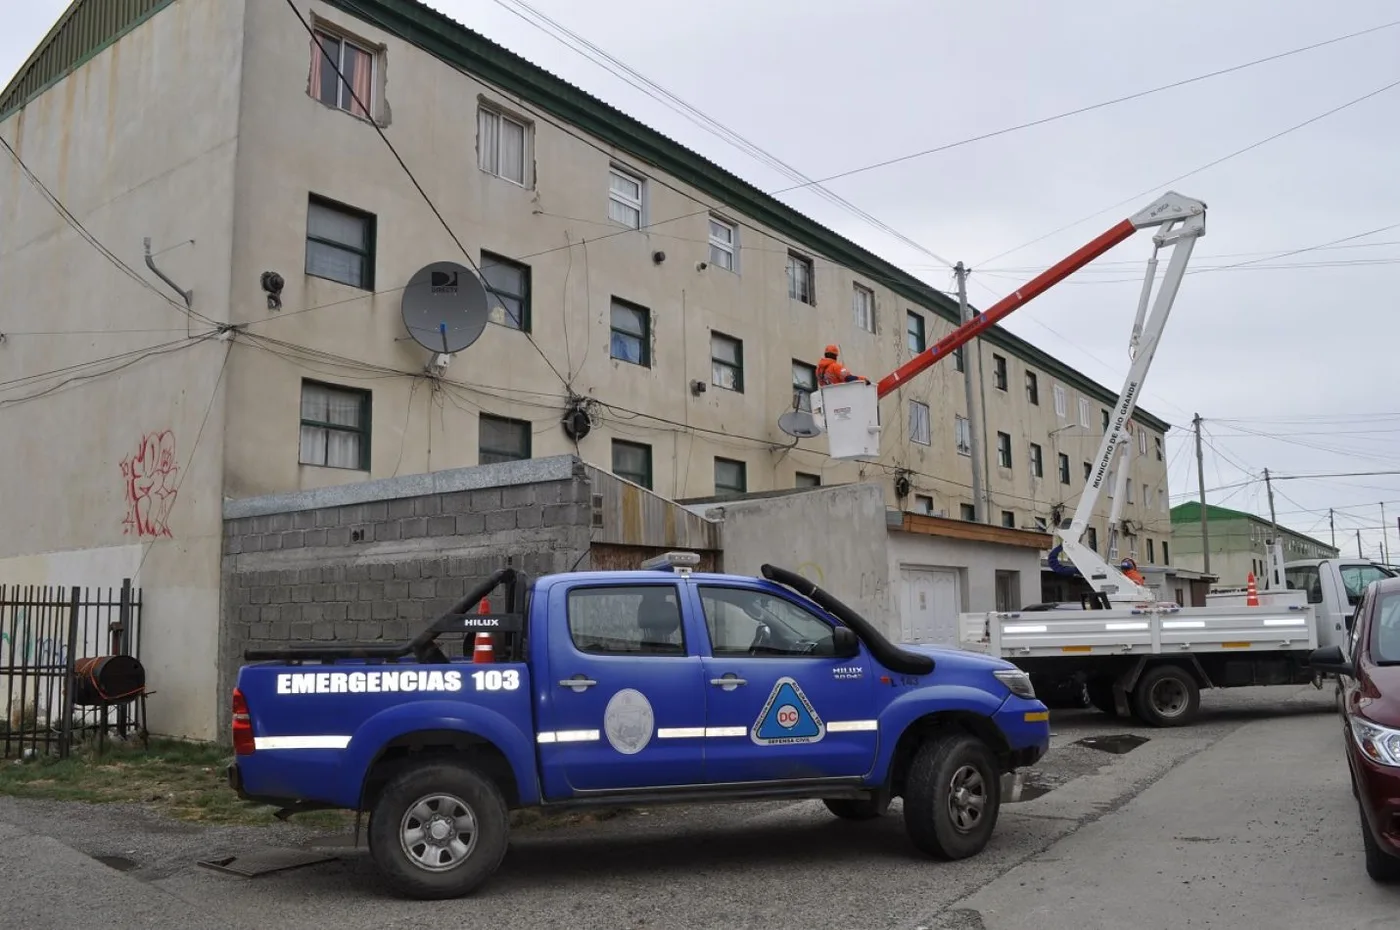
[831, 371]
[1130, 570]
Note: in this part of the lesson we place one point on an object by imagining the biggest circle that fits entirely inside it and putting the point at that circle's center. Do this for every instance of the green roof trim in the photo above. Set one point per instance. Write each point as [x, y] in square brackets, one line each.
[1189, 513]
[83, 32]
[464, 48]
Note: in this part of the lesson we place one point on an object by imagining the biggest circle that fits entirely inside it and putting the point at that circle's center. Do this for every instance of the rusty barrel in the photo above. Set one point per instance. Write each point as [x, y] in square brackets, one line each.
[106, 680]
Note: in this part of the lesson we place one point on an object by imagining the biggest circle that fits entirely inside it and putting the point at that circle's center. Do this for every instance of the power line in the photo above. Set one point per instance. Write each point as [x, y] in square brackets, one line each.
[1096, 106]
[140, 355]
[1211, 164]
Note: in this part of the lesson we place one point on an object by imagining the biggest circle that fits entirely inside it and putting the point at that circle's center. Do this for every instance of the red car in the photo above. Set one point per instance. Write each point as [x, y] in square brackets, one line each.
[1369, 694]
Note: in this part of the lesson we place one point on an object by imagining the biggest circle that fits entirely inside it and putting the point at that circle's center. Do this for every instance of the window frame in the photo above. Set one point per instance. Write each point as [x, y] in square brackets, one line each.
[364, 430]
[367, 253]
[730, 248]
[1037, 460]
[486, 108]
[527, 431]
[344, 97]
[494, 260]
[743, 468]
[923, 499]
[737, 366]
[962, 434]
[920, 423]
[648, 475]
[911, 318]
[802, 393]
[671, 588]
[1084, 412]
[967, 512]
[1061, 405]
[1157, 442]
[806, 479]
[1063, 463]
[1011, 525]
[614, 196]
[644, 338]
[859, 291]
[796, 260]
[1033, 388]
[999, 375]
[1004, 450]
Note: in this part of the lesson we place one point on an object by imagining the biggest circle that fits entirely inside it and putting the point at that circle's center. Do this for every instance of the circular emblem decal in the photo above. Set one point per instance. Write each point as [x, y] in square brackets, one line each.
[787, 716]
[628, 721]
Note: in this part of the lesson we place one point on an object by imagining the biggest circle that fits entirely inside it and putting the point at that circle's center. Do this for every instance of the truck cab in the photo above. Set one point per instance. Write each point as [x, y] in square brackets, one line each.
[630, 688]
[1334, 588]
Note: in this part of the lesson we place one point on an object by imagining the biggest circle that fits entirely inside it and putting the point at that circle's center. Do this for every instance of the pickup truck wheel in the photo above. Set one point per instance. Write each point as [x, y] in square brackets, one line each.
[952, 796]
[438, 830]
[853, 808]
[1166, 696]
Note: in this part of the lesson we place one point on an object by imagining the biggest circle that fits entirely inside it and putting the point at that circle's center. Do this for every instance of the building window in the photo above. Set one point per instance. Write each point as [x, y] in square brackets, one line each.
[724, 243]
[1128, 487]
[806, 480]
[923, 504]
[1166, 553]
[354, 94]
[726, 362]
[799, 273]
[508, 283]
[339, 243]
[962, 432]
[503, 146]
[919, 430]
[1037, 461]
[1008, 519]
[631, 333]
[804, 384]
[1157, 441]
[999, 372]
[914, 331]
[1059, 393]
[1042, 525]
[1151, 552]
[625, 198]
[1091, 538]
[334, 426]
[1142, 440]
[1088, 470]
[960, 358]
[968, 512]
[1004, 450]
[863, 306]
[1146, 496]
[1105, 419]
[502, 440]
[1064, 468]
[1162, 499]
[632, 461]
[731, 477]
[1033, 388]
[1084, 412]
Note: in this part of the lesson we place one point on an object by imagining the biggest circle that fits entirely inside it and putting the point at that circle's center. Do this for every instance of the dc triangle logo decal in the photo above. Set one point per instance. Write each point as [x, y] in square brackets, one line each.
[787, 717]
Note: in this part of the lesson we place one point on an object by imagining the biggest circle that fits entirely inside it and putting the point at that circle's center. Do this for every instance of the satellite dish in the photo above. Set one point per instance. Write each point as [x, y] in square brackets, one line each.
[444, 307]
[799, 423]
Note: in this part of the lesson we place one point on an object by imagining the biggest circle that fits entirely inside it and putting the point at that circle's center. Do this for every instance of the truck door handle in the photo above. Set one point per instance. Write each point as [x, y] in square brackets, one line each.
[578, 684]
[727, 681]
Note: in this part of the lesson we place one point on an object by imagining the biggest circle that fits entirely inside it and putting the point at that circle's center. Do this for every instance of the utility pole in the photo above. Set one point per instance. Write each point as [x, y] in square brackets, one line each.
[1359, 553]
[1273, 530]
[1201, 483]
[1332, 522]
[1385, 536]
[972, 377]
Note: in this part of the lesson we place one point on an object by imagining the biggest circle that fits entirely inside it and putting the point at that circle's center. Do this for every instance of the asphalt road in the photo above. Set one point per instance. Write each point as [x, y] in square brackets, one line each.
[1243, 820]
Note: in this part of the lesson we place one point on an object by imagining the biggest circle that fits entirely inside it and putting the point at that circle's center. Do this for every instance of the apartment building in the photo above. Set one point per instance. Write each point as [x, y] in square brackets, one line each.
[1239, 543]
[667, 310]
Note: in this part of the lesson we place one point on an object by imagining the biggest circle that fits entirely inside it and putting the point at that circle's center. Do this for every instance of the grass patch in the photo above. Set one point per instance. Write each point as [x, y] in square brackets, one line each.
[180, 779]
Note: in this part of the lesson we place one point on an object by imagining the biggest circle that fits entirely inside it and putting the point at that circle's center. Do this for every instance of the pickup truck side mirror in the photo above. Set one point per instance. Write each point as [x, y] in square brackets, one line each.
[844, 642]
[1330, 659]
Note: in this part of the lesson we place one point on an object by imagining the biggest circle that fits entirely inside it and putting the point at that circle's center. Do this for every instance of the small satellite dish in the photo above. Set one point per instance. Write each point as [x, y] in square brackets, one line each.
[444, 307]
[799, 423]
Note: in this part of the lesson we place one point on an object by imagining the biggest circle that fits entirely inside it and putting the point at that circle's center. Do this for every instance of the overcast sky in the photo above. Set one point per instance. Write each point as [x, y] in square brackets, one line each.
[1297, 350]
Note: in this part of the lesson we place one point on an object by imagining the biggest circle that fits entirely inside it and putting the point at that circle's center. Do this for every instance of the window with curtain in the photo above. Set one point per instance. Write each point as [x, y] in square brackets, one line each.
[625, 198]
[863, 306]
[503, 145]
[724, 242]
[352, 89]
[508, 286]
[800, 279]
[919, 429]
[726, 362]
[339, 243]
[631, 333]
[334, 426]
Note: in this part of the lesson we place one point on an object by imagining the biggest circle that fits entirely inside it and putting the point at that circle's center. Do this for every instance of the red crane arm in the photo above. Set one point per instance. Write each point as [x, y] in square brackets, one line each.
[1031, 289]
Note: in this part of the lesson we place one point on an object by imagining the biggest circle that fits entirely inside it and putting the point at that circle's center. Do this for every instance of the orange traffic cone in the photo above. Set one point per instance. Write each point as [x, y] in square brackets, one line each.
[485, 650]
[1251, 592]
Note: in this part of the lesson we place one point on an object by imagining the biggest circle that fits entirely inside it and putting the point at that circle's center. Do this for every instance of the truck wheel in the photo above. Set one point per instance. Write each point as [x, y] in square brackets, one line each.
[853, 808]
[952, 795]
[1166, 696]
[438, 830]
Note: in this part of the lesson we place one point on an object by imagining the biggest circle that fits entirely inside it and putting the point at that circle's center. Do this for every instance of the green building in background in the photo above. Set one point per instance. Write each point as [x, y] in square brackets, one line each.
[1238, 543]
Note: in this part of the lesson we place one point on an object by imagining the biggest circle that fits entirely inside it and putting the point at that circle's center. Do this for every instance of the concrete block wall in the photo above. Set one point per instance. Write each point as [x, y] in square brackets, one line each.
[377, 561]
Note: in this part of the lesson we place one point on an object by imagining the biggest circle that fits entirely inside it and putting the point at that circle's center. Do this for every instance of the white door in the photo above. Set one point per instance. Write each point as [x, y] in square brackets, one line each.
[929, 603]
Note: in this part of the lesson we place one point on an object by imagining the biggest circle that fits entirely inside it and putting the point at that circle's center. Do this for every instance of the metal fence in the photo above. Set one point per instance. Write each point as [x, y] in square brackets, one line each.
[44, 632]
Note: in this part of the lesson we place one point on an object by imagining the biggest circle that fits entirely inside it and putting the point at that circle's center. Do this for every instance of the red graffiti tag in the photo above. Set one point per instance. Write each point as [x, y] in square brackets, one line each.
[150, 485]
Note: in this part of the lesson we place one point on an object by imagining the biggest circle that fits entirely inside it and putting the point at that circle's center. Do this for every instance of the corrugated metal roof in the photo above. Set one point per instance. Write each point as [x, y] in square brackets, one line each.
[85, 28]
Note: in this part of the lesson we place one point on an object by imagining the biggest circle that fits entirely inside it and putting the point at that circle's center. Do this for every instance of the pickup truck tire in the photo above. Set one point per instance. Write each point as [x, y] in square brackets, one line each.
[854, 808]
[1166, 696]
[438, 830]
[952, 794]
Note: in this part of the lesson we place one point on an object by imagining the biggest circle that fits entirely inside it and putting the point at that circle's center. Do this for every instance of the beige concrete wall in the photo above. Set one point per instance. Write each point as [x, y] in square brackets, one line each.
[139, 141]
[979, 562]
[559, 225]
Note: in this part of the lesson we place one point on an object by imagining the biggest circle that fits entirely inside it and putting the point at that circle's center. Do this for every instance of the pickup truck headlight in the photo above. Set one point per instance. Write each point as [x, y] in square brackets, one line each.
[1016, 680]
[1380, 744]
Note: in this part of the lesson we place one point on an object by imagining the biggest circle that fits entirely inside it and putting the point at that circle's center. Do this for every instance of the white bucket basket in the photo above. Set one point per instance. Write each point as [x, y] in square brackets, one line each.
[851, 412]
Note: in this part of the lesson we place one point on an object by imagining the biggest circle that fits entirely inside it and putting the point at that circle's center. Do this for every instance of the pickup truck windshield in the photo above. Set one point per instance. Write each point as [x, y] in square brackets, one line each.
[1385, 636]
[1357, 577]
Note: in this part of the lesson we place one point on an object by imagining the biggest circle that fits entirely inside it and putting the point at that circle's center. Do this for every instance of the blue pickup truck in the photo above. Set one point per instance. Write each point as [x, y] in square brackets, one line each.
[626, 688]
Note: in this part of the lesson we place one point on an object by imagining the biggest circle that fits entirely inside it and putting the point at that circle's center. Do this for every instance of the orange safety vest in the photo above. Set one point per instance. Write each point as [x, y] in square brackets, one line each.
[830, 371]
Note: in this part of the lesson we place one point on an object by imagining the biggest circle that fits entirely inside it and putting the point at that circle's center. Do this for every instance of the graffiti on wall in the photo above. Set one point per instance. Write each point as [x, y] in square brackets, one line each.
[149, 475]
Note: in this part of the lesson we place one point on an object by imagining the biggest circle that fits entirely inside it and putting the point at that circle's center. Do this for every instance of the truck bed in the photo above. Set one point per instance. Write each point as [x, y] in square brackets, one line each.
[1140, 631]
